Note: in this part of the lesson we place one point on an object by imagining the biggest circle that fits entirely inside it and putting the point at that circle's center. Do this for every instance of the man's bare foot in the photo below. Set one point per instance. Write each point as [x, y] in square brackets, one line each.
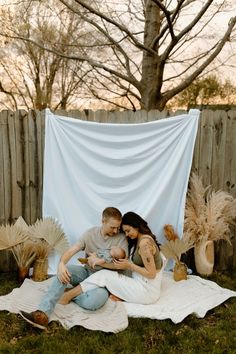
[114, 298]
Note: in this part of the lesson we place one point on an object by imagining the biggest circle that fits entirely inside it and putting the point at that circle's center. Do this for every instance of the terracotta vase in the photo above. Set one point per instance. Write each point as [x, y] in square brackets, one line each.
[23, 272]
[204, 257]
[180, 271]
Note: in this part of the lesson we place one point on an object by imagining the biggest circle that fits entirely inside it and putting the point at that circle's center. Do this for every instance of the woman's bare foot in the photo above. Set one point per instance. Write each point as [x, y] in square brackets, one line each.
[64, 299]
[114, 298]
[69, 295]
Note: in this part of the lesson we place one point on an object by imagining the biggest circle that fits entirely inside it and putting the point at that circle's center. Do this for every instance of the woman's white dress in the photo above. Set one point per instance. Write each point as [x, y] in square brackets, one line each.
[135, 289]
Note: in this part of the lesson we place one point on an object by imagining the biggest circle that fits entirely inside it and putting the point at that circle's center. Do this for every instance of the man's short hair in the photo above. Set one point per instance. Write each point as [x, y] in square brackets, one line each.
[112, 212]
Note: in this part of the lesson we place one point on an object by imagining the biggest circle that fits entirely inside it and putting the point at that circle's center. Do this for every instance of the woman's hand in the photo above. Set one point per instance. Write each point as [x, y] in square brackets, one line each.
[122, 264]
[63, 273]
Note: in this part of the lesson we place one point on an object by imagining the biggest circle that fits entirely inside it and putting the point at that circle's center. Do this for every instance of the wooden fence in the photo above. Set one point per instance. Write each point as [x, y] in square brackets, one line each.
[21, 162]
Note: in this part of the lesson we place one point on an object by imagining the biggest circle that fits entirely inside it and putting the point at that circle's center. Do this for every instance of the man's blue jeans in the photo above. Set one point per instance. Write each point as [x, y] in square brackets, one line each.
[91, 300]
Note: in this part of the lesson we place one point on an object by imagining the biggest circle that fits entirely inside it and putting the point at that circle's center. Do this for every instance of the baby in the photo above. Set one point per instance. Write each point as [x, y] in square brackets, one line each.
[106, 256]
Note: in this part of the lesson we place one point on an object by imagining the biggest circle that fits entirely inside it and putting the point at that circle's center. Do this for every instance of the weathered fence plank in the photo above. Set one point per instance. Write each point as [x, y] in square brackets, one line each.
[12, 151]
[6, 168]
[206, 142]
[231, 153]
[197, 148]
[19, 164]
[40, 151]
[26, 167]
[2, 185]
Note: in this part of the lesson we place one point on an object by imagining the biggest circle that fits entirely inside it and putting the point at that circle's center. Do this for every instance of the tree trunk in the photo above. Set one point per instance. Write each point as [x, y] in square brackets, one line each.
[152, 71]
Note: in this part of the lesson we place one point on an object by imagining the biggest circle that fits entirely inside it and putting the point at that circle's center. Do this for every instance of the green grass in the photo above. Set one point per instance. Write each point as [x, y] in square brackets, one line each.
[216, 333]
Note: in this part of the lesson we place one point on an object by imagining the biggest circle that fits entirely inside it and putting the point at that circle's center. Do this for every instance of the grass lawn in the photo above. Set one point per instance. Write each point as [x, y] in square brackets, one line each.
[216, 333]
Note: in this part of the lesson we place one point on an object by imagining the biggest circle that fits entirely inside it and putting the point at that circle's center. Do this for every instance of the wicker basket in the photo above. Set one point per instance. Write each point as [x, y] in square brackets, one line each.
[180, 272]
[40, 269]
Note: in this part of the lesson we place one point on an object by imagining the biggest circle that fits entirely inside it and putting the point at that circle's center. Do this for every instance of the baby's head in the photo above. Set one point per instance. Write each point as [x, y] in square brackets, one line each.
[117, 252]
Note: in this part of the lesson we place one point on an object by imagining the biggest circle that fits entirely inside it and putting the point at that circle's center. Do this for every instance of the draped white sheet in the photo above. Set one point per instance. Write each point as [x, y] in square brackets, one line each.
[140, 167]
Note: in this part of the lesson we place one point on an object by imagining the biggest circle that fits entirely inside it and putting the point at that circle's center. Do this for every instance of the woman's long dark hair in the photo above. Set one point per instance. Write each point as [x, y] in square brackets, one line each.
[136, 221]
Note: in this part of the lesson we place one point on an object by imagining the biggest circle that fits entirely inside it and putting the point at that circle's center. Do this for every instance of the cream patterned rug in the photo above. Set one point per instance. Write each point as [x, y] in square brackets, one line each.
[177, 301]
[111, 317]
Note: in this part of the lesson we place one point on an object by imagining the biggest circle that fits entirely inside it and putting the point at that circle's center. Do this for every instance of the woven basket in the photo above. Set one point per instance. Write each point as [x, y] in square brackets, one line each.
[40, 269]
[180, 272]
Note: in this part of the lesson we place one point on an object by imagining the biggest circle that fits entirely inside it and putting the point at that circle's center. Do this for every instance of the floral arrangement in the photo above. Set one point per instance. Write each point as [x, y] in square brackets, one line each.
[31, 243]
[173, 248]
[209, 216]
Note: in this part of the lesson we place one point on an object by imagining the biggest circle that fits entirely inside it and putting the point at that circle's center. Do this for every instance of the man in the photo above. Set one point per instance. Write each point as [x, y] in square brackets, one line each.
[100, 237]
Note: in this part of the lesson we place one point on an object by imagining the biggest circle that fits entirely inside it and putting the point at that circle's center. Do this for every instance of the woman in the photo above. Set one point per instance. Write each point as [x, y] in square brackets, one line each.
[143, 286]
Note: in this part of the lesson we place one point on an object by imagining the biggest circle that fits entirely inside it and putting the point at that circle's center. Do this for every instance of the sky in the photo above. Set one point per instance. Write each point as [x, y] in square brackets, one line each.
[220, 24]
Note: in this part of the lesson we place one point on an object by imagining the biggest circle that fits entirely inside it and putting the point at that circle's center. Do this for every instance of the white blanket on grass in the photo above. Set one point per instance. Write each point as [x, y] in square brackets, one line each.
[177, 301]
[135, 167]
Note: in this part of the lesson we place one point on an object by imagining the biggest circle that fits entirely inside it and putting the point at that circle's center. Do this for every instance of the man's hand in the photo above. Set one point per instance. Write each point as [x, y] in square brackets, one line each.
[63, 273]
[93, 260]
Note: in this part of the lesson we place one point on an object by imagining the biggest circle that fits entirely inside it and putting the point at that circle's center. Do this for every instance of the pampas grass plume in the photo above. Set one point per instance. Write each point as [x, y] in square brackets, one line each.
[208, 214]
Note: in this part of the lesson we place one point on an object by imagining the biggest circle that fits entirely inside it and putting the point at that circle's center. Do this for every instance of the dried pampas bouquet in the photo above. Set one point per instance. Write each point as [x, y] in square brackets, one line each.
[208, 218]
[16, 239]
[173, 248]
[24, 253]
[42, 248]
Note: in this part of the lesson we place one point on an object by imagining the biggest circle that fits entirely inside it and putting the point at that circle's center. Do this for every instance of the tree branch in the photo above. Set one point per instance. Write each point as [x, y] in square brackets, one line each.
[184, 84]
[81, 58]
[8, 93]
[168, 17]
[188, 28]
[109, 20]
[166, 27]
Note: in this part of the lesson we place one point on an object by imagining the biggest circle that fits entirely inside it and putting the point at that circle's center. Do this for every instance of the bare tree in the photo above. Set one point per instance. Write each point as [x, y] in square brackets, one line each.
[154, 54]
[147, 51]
[33, 77]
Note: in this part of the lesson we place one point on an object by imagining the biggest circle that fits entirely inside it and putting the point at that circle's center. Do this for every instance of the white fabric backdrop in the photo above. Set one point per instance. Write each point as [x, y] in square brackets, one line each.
[140, 167]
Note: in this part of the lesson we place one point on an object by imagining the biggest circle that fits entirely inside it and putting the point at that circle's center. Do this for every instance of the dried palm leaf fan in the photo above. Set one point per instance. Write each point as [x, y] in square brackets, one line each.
[16, 239]
[20, 222]
[173, 249]
[50, 236]
[50, 230]
[208, 218]
[11, 235]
